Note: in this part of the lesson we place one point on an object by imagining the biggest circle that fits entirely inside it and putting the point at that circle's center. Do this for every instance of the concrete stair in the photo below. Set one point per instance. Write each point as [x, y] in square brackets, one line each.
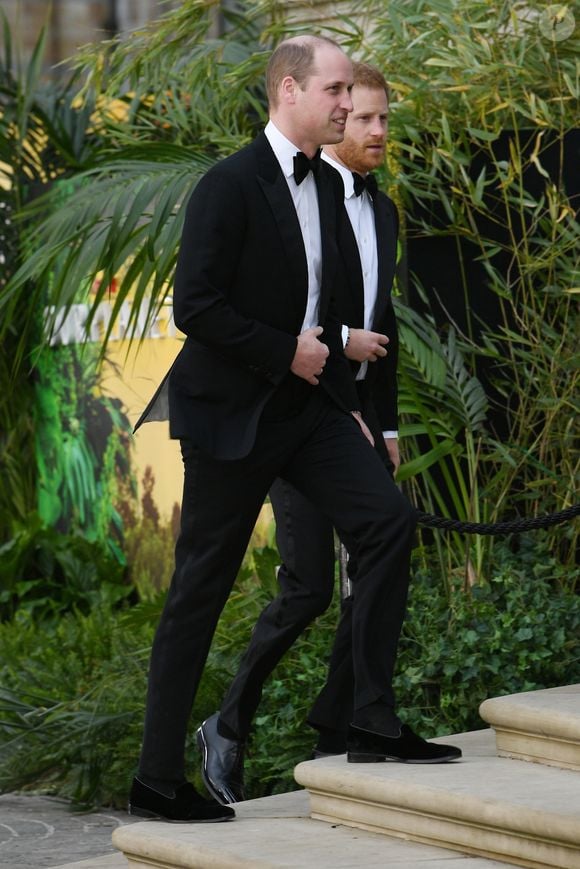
[540, 726]
[483, 811]
[495, 806]
[277, 833]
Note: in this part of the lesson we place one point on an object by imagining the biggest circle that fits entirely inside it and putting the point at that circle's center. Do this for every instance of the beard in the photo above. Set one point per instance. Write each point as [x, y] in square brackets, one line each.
[358, 157]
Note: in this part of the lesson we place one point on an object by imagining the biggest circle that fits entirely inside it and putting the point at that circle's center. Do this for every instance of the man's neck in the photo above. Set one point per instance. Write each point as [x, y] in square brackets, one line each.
[331, 151]
[294, 136]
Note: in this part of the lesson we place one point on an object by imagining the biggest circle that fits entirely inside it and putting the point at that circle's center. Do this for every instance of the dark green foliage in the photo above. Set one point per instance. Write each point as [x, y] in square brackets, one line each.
[44, 574]
[483, 145]
[463, 76]
[519, 632]
[70, 703]
[46, 134]
[73, 691]
[72, 660]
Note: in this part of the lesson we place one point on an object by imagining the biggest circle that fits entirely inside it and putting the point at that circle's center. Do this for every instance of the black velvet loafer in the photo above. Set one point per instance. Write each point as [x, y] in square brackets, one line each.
[222, 766]
[186, 807]
[365, 746]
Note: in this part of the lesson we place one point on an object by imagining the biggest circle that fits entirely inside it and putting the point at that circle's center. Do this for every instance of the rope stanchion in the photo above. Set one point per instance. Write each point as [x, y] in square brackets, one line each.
[430, 520]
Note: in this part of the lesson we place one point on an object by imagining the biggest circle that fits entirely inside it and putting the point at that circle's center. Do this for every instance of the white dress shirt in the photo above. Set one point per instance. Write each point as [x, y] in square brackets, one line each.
[362, 217]
[305, 198]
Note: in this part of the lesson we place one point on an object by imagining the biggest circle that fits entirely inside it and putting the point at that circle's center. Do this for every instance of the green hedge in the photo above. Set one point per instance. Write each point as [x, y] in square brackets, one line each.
[72, 695]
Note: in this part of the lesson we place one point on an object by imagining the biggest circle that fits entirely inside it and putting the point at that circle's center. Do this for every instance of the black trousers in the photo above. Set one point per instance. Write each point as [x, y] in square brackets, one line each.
[323, 454]
[305, 540]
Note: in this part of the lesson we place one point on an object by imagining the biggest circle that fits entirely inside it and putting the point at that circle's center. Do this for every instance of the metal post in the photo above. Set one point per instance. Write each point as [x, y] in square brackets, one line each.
[345, 583]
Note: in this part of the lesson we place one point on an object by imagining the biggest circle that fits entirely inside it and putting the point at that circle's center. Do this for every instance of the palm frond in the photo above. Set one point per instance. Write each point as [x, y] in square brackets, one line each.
[122, 220]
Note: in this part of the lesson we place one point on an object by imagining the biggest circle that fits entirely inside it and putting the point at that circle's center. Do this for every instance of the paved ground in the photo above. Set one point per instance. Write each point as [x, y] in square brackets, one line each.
[40, 832]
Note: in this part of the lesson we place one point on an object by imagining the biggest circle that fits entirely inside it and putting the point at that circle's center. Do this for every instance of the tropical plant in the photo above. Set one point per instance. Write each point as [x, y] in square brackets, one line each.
[444, 411]
[482, 128]
[171, 100]
[483, 108]
[41, 136]
[71, 703]
[45, 573]
[482, 102]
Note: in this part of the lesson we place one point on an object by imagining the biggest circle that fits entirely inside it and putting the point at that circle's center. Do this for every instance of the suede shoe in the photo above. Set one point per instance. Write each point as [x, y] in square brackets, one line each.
[222, 766]
[365, 746]
[186, 806]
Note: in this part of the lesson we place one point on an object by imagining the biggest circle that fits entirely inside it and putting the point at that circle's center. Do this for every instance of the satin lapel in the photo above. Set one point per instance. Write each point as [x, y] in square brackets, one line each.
[327, 213]
[275, 187]
[387, 255]
[350, 254]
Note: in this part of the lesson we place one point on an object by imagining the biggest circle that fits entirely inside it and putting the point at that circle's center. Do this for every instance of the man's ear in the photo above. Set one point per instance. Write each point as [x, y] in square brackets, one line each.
[288, 88]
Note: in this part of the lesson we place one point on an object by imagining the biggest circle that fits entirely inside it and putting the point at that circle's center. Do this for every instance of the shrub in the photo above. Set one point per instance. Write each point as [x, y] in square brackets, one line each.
[48, 573]
[519, 632]
[72, 701]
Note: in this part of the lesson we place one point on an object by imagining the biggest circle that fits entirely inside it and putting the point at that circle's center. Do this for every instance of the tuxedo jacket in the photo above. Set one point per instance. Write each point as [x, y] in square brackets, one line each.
[240, 296]
[381, 376]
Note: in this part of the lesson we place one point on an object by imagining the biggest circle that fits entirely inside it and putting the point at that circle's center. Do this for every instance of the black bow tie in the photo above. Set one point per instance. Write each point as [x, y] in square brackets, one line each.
[303, 165]
[368, 182]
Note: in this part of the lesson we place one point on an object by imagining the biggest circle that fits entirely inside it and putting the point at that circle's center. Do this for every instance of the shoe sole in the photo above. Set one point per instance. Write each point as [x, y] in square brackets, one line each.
[137, 812]
[202, 745]
[357, 757]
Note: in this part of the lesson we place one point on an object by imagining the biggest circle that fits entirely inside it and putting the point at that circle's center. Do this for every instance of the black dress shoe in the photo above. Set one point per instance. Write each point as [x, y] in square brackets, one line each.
[187, 806]
[222, 767]
[365, 746]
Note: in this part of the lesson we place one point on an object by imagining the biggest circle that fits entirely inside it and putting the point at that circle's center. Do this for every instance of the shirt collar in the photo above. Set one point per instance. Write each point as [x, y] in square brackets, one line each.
[345, 174]
[282, 147]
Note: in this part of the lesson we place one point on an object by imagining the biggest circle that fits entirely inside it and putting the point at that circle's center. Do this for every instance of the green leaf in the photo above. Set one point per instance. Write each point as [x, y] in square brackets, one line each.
[483, 135]
[420, 464]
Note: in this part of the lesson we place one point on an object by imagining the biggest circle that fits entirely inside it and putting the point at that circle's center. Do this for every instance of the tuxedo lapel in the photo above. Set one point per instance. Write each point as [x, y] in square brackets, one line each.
[277, 193]
[327, 214]
[354, 275]
[386, 241]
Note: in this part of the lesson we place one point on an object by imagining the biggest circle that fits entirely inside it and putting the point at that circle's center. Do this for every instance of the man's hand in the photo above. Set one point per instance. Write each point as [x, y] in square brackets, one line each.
[392, 445]
[363, 427]
[365, 346]
[310, 357]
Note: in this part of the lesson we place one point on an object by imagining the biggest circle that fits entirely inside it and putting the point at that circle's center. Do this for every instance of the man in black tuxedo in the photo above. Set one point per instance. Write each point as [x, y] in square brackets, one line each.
[369, 244]
[367, 241]
[260, 390]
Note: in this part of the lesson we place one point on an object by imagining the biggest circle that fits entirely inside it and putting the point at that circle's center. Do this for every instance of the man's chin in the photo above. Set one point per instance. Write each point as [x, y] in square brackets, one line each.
[372, 167]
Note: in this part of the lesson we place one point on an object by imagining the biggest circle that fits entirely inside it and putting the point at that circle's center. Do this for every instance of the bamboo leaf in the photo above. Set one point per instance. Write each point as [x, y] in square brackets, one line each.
[425, 461]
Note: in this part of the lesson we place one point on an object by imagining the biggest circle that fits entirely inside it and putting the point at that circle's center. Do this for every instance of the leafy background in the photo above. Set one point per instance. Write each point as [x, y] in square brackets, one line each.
[483, 130]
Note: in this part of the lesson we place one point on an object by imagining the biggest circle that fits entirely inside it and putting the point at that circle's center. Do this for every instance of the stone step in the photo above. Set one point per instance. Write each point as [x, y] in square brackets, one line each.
[107, 861]
[493, 807]
[540, 726]
[277, 833]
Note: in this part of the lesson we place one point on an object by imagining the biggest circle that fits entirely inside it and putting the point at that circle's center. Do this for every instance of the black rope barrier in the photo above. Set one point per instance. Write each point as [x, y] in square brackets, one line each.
[443, 524]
